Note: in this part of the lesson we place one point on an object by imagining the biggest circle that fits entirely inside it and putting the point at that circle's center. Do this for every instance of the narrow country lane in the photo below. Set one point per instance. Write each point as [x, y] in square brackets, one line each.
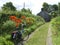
[38, 37]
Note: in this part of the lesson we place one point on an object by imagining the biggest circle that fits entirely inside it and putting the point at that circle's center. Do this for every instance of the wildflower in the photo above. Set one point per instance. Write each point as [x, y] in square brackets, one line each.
[18, 21]
[13, 18]
[23, 17]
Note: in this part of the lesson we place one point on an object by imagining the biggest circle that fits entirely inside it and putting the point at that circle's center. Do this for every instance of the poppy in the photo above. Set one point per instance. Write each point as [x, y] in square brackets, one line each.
[23, 17]
[18, 20]
[13, 18]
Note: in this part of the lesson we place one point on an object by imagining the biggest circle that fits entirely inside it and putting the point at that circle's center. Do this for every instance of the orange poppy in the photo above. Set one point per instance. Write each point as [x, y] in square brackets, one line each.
[13, 18]
[18, 20]
[23, 17]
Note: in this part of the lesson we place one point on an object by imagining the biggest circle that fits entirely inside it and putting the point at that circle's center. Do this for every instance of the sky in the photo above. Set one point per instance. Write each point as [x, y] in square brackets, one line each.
[34, 5]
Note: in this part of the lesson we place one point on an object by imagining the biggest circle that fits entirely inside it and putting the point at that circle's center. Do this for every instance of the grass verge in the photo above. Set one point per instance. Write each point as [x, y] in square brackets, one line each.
[55, 37]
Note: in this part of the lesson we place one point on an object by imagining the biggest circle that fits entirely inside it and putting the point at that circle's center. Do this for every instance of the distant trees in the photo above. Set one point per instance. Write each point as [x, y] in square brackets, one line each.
[8, 6]
[55, 7]
[45, 6]
[52, 10]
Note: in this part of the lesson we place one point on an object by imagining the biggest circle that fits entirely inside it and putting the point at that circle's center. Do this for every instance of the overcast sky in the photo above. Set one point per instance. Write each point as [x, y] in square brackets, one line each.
[34, 5]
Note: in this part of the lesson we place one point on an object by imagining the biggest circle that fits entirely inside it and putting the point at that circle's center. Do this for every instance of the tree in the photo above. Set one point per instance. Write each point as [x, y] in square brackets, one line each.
[53, 14]
[8, 7]
[55, 7]
[23, 10]
[45, 6]
[29, 11]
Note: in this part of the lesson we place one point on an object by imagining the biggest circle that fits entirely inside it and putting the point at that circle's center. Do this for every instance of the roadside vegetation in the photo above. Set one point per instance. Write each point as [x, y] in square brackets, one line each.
[56, 30]
[10, 18]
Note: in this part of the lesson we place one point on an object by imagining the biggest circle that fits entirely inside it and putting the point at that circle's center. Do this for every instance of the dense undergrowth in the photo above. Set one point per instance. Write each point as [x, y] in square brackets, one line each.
[7, 26]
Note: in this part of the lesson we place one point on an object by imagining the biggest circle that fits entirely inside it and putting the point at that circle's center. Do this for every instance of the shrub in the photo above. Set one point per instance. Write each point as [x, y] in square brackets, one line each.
[8, 26]
[3, 41]
[56, 25]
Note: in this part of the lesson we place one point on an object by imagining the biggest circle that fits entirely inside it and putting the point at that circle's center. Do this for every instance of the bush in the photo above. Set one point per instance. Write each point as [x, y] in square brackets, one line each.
[56, 25]
[9, 43]
[8, 26]
[3, 17]
[3, 41]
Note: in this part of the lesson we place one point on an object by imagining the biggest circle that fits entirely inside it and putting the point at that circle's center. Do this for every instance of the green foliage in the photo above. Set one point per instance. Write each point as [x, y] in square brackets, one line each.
[26, 10]
[6, 23]
[9, 43]
[8, 6]
[55, 7]
[56, 25]
[3, 41]
[0, 18]
[53, 14]
[56, 22]
[45, 6]
[3, 18]
[51, 9]
[48, 7]
[8, 26]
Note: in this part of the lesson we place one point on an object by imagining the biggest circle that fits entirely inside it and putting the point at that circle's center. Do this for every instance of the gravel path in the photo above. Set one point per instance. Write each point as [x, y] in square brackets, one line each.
[49, 37]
